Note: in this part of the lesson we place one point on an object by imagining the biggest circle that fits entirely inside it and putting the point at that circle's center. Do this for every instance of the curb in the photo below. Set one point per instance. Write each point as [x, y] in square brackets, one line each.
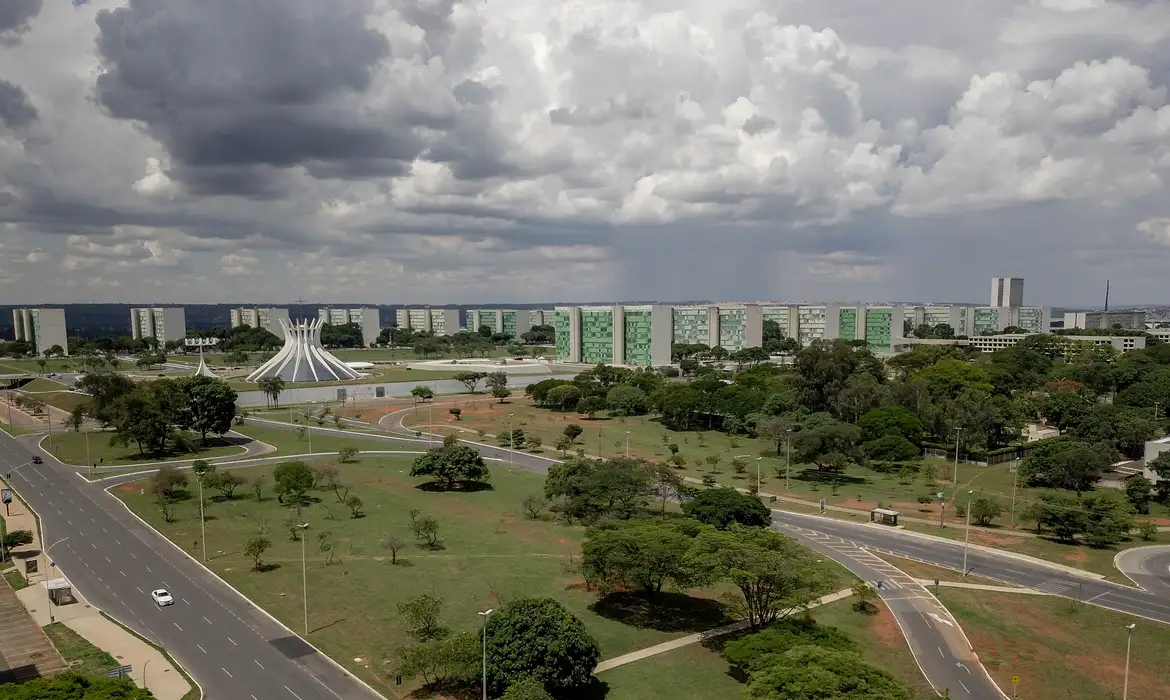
[339, 667]
[1125, 573]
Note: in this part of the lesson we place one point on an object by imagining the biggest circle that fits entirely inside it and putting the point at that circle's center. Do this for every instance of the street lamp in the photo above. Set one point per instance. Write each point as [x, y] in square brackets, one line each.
[758, 460]
[200, 468]
[48, 568]
[967, 532]
[627, 444]
[511, 445]
[485, 614]
[304, 577]
[1128, 641]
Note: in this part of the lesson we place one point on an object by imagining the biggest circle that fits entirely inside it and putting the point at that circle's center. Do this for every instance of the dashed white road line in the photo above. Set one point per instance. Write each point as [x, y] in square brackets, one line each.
[257, 663]
[201, 648]
[232, 641]
[229, 675]
[177, 626]
[298, 697]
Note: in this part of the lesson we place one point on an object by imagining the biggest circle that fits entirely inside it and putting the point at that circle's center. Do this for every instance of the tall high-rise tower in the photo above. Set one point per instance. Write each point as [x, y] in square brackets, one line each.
[1007, 291]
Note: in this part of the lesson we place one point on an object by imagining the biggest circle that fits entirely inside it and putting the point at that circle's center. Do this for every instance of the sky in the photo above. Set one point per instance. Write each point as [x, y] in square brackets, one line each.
[494, 151]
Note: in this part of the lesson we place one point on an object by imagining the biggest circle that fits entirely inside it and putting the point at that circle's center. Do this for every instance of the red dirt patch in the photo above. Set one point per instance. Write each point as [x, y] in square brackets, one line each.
[886, 629]
[1077, 556]
[992, 540]
[128, 488]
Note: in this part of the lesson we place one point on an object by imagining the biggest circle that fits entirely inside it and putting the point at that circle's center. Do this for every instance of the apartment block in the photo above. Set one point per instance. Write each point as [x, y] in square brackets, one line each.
[266, 318]
[44, 328]
[365, 317]
[639, 335]
[1007, 291]
[731, 326]
[424, 319]
[163, 323]
[514, 322]
[1105, 319]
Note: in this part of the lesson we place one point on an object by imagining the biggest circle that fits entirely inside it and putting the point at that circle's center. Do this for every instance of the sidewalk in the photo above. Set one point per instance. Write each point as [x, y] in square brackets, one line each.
[164, 680]
[980, 587]
[699, 636]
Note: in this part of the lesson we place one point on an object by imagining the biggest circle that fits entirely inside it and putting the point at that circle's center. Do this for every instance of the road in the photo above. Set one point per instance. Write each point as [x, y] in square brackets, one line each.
[229, 646]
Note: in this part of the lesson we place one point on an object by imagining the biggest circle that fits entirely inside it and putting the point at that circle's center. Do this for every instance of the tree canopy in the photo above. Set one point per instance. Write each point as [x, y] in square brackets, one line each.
[538, 638]
[723, 507]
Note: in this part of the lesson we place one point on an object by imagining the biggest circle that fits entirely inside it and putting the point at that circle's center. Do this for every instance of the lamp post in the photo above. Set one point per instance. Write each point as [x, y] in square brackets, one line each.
[967, 532]
[758, 460]
[49, 562]
[627, 444]
[485, 614]
[1128, 643]
[200, 468]
[304, 577]
[144, 674]
[955, 480]
[511, 445]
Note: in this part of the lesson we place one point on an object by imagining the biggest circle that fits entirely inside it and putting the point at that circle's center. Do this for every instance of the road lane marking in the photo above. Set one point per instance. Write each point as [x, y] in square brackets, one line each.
[122, 572]
[108, 560]
[132, 554]
[117, 543]
[1090, 600]
[201, 648]
[148, 569]
[964, 686]
[229, 675]
[69, 521]
[140, 589]
[91, 544]
[257, 663]
[941, 619]
[232, 641]
[326, 687]
[298, 697]
[206, 620]
[177, 626]
[939, 650]
[186, 601]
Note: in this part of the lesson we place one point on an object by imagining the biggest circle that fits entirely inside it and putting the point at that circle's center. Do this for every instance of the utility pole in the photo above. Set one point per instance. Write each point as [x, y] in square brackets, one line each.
[200, 470]
[967, 533]
[1128, 644]
[304, 577]
[955, 480]
[485, 614]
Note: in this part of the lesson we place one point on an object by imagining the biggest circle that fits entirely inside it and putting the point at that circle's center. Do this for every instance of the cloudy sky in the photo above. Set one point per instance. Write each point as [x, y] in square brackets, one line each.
[467, 151]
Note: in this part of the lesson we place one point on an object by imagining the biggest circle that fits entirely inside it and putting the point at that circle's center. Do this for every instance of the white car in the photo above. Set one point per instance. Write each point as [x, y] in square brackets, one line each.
[162, 598]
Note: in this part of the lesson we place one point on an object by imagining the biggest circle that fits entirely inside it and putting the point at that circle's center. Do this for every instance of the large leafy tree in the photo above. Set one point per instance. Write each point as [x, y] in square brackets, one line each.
[830, 446]
[774, 574]
[639, 554]
[71, 686]
[823, 368]
[292, 479]
[723, 507]
[588, 489]
[538, 638]
[890, 420]
[815, 673]
[1066, 407]
[209, 405]
[452, 464]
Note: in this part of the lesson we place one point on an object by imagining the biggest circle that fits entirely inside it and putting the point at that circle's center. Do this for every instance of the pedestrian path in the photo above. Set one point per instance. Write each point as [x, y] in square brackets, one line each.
[980, 587]
[699, 637]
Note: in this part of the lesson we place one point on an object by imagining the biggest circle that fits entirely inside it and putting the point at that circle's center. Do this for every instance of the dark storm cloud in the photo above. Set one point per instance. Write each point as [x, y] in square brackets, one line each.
[234, 90]
[15, 16]
[15, 108]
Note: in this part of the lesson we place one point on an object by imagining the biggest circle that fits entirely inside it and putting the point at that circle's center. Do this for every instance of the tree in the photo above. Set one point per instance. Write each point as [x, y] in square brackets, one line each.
[1138, 490]
[573, 431]
[455, 411]
[501, 393]
[1079, 468]
[538, 638]
[1066, 408]
[564, 444]
[756, 649]
[255, 549]
[426, 528]
[166, 482]
[774, 574]
[588, 489]
[526, 689]
[452, 659]
[497, 380]
[354, 503]
[293, 479]
[226, 482]
[829, 446]
[346, 454]
[257, 484]
[422, 615]
[422, 392]
[890, 420]
[864, 596]
[722, 507]
[395, 544]
[626, 400]
[890, 448]
[452, 464]
[77, 417]
[470, 379]
[984, 510]
[208, 405]
[533, 505]
[72, 686]
[638, 554]
[814, 673]
[590, 406]
[564, 397]
[272, 388]
[1160, 466]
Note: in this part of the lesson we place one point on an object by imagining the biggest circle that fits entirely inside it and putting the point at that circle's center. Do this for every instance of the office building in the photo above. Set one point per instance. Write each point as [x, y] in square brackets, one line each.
[1007, 291]
[1105, 319]
[164, 324]
[424, 319]
[991, 343]
[44, 328]
[267, 318]
[514, 322]
[730, 326]
[365, 317]
[638, 336]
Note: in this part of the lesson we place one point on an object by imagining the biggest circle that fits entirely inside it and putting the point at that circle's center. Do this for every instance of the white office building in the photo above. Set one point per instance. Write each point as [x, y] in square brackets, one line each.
[267, 318]
[365, 317]
[1007, 291]
[42, 327]
[424, 319]
[164, 324]
[1097, 320]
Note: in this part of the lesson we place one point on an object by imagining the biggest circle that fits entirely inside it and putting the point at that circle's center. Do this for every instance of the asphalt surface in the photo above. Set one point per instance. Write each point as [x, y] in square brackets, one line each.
[230, 647]
[1149, 567]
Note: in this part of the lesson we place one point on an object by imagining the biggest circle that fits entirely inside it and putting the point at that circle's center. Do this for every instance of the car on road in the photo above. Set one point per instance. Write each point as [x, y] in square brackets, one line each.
[37, 459]
[161, 597]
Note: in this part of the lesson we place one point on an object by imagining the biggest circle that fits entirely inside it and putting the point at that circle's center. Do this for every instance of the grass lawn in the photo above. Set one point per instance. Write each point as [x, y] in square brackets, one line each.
[14, 577]
[53, 393]
[490, 554]
[70, 447]
[83, 658]
[57, 364]
[15, 430]
[288, 442]
[1059, 649]
[688, 673]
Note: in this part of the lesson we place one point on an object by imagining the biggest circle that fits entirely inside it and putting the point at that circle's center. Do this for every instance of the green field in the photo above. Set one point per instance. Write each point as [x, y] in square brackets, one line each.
[70, 447]
[83, 658]
[490, 554]
[1060, 649]
[57, 364]
[289, 442]
[53, 393]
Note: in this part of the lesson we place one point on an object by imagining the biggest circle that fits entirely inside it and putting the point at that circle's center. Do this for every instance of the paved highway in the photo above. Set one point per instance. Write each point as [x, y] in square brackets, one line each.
[232, 649]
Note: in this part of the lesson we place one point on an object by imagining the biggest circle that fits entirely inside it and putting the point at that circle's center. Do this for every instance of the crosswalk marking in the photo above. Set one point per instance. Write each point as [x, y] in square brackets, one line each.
[1055, 586]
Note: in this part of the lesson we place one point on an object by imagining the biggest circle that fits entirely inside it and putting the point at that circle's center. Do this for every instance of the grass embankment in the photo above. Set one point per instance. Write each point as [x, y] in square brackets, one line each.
[1060, 649]
[53, 393]
[83, 658]
[70, 447]
[490, 553]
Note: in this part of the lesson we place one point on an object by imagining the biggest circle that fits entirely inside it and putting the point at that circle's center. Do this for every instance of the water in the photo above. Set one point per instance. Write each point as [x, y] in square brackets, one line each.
[365, 392]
